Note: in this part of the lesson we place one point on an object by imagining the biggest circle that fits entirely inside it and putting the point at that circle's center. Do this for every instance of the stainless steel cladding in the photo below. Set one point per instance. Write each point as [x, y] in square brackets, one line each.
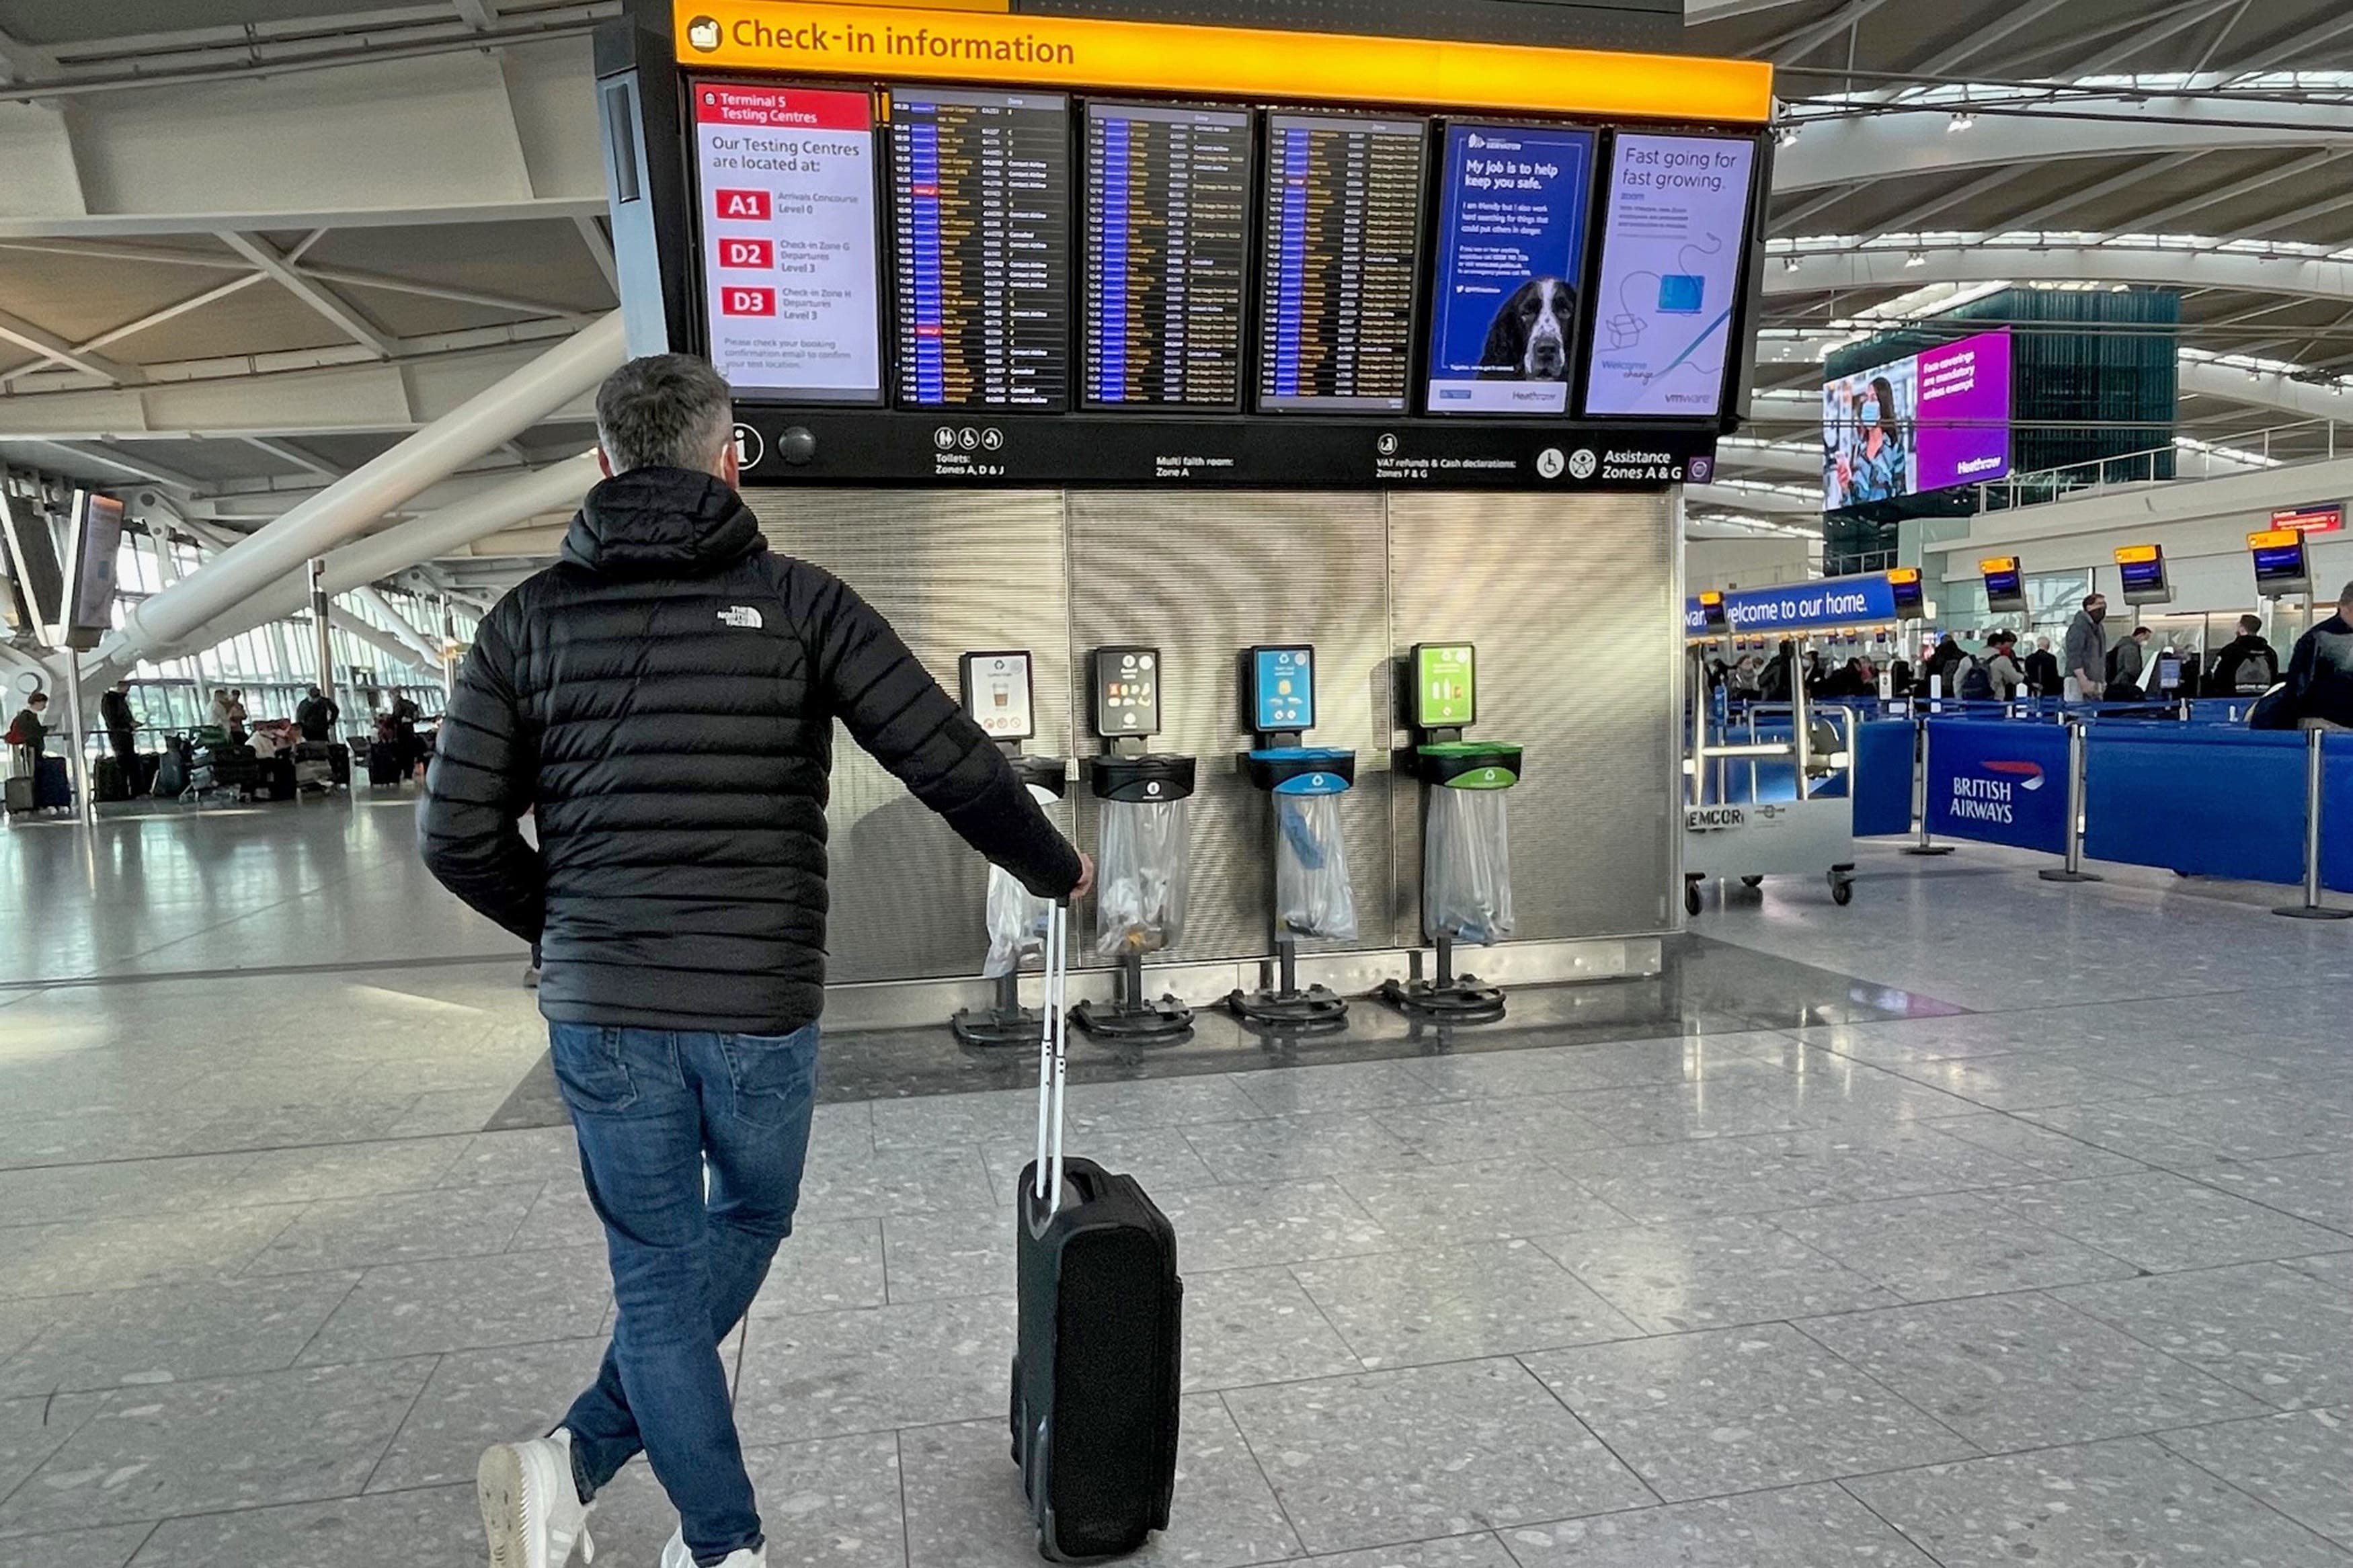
[1569, 599]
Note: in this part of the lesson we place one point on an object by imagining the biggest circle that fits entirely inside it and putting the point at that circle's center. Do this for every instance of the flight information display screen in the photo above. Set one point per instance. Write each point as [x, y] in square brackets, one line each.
[1343, 226]
[980, 194]
[1167, 255]
[2281, 565]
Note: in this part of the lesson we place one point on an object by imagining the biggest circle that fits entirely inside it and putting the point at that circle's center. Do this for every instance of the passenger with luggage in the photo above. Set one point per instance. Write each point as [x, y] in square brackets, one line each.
[36, 782]
[121, 727]
[1991, 675]
[662, 701]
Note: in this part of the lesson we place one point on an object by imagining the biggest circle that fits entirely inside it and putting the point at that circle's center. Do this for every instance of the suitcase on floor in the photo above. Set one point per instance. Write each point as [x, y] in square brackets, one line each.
[106, 781]
[383, 765]
[52, 790]
[20, 795]
[1096, 1374]
[339, 762]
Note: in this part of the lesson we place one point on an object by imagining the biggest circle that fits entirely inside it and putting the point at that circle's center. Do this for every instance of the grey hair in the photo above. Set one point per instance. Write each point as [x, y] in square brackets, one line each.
[668, 411]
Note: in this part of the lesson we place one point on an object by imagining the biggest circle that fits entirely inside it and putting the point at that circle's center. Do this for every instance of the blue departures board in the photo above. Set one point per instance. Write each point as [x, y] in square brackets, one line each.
[1167, 257]
[981, 199]
[1283, 689]
[1511, 269]
[1343, 231]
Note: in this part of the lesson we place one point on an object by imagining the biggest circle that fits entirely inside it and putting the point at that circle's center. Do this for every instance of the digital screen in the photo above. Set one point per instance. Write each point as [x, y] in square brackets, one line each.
[1511, 259]
[1671, 266]
[98, 546]
[1925, 421]
[2281, 565]
[789, 277]
[2143, 576]
[1283, 689]
[1342, 229]
[1168, 228]
[1445, 685]
[33, 554]
[2321, 519]
[1908, 594]
[998, 694]
[1128, 691]
[2005, 589]
[2169, 673]
[1712, 614]
[980, 194]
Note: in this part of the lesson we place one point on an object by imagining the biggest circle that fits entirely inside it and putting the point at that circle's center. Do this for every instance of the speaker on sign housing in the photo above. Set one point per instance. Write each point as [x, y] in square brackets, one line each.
[797, 446]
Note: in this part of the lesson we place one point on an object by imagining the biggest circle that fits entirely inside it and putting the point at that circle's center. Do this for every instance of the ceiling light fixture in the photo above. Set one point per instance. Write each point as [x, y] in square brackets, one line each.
[1787, 135]
[1961, 122]
[1917, 258]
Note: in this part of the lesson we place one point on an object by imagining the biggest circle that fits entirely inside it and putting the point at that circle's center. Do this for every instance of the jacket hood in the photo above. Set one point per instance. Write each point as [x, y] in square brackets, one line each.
[661, 522]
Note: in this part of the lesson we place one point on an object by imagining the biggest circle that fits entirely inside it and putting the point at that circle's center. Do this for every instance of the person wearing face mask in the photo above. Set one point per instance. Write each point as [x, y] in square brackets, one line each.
[2086, 651]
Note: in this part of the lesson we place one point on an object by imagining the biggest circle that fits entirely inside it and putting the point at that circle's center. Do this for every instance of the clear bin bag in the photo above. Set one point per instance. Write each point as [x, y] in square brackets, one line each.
[1466, 867]
[1311, 894]
[1141, 877]
[1016, 924]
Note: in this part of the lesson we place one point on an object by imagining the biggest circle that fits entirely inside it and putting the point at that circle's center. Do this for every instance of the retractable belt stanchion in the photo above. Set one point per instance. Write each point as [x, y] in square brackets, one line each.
[2312, 909]
[2073, 870]
[1920, 790]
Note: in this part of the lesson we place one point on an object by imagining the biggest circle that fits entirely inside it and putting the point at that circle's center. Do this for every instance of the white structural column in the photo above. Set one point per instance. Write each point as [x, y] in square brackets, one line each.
[408, 544]
[423, 650]
[360, 497]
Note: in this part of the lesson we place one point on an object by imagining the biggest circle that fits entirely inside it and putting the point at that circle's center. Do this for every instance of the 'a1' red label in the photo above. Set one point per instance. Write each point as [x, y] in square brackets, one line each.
[735, 301]
[751, 205]
[747, 253]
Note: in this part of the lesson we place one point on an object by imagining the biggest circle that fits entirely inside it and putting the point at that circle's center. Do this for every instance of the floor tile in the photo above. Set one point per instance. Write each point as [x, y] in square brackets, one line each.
[1481, 1550]
[965, 1507]
[1798, 1527]
[1951, 1243]
[1399, 1309]
[1493, 1201]
[1461, 1131]
[108, 1546]
[33, 1429]
[1251, 1227]
[823, 1374]
[1737, 1410]
[826, 1268]
[1658, 1183]
[397, 1227]
[234, 1442]
[2164, 1222]
[1347, 1086]
[476, 1398]
[525, 1155]
[927, 1257]
[1707, 1274]
[2298, 1463]
[357, 1171]
[2315, 1187]
[833, 1503]
[992, 1120]
[1410, 1455]
[437, 1529]
[75, 1256]
[2191, 1132]
[171, 1333]
[2021, 1082]
[896, 1180]
[2110, 1505]
[2042, 1154]
[116, 1190]
[1245, 1326]
[2022, 1371]
[1299, 1148]
[1161, 1102]
[2334, 1267]
[466, 1303]
[1670, 1113]
[2282, 1336]
[1897, 1042]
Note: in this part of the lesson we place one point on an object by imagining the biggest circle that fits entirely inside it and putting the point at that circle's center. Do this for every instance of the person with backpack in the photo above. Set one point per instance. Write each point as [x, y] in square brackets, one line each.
[1991, 675]
[2128, 666]
[2245, 665]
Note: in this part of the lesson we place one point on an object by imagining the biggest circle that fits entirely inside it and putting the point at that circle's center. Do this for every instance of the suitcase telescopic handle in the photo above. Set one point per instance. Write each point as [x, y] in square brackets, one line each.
[1053, 1055]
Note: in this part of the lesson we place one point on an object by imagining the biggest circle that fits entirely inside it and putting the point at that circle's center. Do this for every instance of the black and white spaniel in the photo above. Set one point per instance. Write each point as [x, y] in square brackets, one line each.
[1529, 338]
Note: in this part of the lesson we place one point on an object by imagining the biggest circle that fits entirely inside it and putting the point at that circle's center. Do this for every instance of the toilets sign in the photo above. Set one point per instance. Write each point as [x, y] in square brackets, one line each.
[1801, 607]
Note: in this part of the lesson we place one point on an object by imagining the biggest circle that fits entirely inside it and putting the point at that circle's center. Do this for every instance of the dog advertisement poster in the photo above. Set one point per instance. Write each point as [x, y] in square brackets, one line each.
[1511, 250]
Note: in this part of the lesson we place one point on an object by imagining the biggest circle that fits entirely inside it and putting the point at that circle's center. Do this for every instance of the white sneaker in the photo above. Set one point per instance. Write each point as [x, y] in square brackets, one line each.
[531, 1507]
[676, 1555]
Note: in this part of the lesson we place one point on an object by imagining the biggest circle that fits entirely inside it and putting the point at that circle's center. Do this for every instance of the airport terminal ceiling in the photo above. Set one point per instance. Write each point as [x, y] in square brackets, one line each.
[237, 335]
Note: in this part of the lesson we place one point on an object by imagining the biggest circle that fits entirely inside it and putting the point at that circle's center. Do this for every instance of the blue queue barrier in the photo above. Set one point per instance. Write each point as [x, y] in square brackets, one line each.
[2335, 812]
[2205, 802]
[1997, 782]
[1883, 778]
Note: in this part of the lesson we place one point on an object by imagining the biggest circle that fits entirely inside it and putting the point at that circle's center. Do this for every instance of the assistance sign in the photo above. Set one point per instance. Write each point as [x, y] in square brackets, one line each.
[788, 248]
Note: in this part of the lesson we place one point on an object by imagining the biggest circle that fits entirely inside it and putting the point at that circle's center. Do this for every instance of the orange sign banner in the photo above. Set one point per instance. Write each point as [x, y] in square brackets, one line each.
[895, 42]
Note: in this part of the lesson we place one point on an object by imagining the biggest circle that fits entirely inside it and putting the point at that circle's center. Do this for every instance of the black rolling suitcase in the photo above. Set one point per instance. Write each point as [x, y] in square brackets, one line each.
[1096, 1374]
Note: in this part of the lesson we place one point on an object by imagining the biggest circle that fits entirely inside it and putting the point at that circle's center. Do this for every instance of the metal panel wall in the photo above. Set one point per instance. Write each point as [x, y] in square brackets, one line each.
[954, 572]
[1573, 603]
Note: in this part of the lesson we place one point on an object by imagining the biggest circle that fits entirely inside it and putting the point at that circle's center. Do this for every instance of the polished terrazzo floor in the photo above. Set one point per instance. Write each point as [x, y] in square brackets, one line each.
[1983, 1222]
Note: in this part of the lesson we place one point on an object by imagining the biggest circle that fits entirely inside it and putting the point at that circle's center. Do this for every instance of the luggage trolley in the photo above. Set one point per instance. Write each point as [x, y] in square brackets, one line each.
[1752, 839]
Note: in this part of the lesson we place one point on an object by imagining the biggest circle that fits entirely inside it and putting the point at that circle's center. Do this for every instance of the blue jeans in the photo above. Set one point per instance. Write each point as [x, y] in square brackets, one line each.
[692, 1146]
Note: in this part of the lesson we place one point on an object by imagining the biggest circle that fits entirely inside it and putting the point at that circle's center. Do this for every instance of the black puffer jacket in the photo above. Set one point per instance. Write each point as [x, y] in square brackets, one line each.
[664, 700]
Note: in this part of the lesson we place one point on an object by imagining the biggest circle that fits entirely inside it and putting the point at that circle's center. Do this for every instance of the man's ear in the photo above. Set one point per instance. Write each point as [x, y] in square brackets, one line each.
[731, 466]
[604, 461]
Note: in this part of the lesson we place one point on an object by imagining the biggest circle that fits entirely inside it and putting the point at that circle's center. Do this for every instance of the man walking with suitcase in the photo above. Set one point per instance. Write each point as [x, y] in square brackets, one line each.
[663, 701]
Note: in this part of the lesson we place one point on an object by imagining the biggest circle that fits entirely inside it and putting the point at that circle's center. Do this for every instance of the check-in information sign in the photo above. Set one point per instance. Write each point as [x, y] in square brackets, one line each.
[789, 264]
